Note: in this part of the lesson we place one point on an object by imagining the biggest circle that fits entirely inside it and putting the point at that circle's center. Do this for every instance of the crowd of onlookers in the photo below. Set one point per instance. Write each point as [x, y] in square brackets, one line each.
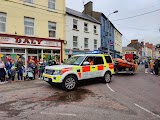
[151, 66]
[9, 69]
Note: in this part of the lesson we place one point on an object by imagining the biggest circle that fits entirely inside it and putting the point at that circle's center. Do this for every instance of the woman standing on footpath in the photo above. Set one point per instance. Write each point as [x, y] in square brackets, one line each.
[2, 71]
[13, 70]
[8, 68]
[41, 67]
[20, 67]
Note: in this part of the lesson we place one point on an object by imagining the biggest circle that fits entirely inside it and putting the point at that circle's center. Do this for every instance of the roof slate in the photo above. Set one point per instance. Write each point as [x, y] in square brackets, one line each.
[81, 15]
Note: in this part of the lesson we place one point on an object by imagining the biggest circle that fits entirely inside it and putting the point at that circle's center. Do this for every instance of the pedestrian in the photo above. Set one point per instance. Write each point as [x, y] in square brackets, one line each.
[13, 70]
[2, 71]
[156, 67]
[20, 68]
[33, 66]
[41, 67]
[146, 66]
[8, 68]
[151, 66]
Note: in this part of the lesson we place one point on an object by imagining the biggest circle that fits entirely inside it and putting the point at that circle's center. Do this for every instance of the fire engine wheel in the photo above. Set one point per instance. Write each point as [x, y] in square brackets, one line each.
[107, 77]
[69, 83]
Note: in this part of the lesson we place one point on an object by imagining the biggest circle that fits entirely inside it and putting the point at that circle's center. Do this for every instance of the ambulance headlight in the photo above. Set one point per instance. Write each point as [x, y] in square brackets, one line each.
[57, 72]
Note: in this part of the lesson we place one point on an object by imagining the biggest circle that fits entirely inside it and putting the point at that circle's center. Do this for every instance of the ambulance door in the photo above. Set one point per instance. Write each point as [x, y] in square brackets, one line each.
[99, 64]
[88, 71]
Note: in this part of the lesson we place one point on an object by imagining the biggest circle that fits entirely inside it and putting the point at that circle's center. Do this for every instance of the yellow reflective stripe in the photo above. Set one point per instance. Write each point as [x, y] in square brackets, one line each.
[75, 68]
[93, 68]
[47, 76]
[112, 71]
[58, 78]
[106, 66]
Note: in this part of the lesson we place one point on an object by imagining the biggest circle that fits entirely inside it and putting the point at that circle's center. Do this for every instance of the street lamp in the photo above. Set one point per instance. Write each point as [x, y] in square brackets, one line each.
[109, 30]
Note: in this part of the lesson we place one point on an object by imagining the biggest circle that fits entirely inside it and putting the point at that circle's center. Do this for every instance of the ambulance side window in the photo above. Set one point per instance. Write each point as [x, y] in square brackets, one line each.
[89, 59]
[98, 61]
[108, 59]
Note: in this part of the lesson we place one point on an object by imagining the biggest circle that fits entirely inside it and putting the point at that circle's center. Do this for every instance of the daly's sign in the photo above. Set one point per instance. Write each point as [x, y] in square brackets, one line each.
[29, 41]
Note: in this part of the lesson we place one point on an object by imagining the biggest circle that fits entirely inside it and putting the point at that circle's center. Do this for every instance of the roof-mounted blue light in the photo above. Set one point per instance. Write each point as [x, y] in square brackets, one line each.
[94, 52]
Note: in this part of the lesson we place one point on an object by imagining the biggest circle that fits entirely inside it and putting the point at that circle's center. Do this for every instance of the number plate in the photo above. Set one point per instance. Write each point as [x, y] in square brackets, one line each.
[45, 79]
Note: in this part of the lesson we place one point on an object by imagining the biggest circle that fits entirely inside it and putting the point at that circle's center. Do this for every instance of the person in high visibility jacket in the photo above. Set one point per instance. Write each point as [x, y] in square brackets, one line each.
[90, 61]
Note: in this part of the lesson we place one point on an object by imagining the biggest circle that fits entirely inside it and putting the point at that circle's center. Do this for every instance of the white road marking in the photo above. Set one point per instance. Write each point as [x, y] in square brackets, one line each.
[147, 110]
[64, 114]
[110, 88]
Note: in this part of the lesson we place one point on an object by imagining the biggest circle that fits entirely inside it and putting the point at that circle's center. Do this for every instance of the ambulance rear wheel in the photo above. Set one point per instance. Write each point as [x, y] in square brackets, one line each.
[107, 77]
[69, 83]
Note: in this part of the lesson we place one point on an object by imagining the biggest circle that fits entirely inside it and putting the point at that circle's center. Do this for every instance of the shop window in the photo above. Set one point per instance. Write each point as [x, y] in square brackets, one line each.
[75, 24]
[95, 44]
[19, 50]
[32, 51]
[46, 51]
[95, 29]
[2, 22]
[86, 27]
[52, 4]
[29, 26]
[52, 29]
[6, 49]
[85, 42]
[75, 41]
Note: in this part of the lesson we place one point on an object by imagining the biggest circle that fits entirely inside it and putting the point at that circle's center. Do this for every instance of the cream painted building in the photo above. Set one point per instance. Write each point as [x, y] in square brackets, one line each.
[32, 28]
[148, 52]
[129, 50]
[117, 42]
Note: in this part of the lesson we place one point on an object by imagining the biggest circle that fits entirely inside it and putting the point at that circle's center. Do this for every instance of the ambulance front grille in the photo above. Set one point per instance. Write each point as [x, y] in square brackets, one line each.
[50, 72]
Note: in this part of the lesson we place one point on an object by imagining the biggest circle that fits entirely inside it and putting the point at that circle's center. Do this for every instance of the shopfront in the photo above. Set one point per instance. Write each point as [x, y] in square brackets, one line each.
[29, 48]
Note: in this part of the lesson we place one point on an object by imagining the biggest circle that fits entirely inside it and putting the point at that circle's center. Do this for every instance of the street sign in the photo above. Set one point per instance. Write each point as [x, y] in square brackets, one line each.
[111, 43]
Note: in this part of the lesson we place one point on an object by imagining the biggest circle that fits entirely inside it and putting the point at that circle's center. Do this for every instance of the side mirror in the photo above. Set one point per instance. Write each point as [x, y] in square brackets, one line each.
[86, 63]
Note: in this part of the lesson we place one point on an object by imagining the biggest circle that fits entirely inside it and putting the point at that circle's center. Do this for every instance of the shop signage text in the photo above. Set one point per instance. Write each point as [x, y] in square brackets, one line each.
[28, 41]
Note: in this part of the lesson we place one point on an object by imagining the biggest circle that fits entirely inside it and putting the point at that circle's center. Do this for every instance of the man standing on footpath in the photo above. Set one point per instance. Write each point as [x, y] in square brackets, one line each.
[20, 67]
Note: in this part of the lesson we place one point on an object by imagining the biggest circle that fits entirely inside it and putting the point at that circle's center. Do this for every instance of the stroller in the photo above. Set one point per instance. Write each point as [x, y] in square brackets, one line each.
[29, 74]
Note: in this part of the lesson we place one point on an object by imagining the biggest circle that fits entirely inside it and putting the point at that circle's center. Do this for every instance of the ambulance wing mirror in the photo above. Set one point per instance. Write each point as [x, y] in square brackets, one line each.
[86, 63]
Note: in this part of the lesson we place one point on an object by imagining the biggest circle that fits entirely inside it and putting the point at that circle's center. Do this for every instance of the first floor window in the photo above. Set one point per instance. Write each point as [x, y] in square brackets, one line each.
[51, 4]
[29, 26]
[86, 27]
[52, 29]
[75, 24]
[85, 42]
[95, 29]
[2, 22]
[75, 41]
[95, 44]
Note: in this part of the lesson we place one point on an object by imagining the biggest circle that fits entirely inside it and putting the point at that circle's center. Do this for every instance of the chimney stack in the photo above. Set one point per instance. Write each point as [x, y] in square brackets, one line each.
[88, 8]
[134, 41]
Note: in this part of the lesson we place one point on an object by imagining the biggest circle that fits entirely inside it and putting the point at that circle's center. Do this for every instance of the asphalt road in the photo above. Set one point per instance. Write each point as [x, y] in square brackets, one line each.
[127, 97]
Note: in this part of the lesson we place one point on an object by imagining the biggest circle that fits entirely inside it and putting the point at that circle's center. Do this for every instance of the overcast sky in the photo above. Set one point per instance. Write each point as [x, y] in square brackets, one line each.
[145, 28]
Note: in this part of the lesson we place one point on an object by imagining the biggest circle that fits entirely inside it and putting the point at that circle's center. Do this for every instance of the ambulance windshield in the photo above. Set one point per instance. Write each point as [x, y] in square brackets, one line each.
[75, 60]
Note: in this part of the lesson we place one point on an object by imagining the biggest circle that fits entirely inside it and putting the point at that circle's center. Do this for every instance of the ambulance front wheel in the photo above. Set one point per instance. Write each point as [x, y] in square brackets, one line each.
[69, 83]
[107, 77]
